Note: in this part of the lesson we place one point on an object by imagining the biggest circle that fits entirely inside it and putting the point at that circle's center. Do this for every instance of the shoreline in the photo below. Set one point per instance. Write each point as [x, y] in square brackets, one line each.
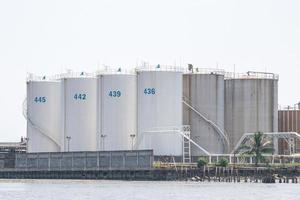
[204, 174]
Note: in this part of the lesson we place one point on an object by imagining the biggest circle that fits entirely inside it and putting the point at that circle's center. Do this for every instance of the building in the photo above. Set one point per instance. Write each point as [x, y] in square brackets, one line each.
[288, 121]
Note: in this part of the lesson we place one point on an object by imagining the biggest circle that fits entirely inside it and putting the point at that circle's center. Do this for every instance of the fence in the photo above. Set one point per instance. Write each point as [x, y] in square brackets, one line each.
[246, 159]
[101, 160]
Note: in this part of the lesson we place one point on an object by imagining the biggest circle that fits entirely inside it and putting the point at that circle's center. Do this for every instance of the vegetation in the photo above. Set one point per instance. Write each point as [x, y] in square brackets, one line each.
[222, 163]
[257, 146]
[201, 162]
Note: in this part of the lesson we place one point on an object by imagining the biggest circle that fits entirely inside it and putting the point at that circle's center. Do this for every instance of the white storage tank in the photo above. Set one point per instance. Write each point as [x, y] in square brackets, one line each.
[251, 102]
[203, 110]
[80, 101]
[160, 108]
[44, 115]
[118, 108]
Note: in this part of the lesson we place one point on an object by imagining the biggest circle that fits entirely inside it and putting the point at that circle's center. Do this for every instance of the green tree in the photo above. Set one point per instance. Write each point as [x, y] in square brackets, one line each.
[222, 163]
[201, 162]
[257, 146]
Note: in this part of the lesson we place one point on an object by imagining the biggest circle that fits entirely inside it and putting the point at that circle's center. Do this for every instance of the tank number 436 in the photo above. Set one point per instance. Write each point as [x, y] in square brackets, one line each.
[80, 96]
[40, 99]
[149, 91]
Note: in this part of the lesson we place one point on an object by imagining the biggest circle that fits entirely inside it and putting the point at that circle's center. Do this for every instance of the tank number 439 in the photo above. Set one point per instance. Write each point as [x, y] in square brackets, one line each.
[115, 93]
[40, 99]
[149, 91]
[80, 96]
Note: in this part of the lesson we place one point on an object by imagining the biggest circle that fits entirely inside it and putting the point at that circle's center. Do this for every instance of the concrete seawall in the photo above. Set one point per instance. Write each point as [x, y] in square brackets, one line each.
[217, 174]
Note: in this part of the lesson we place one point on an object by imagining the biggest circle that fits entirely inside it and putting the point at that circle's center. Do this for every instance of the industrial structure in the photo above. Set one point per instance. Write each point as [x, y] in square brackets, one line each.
[203, 99]
[288, 121]
[80, 112]
[251, 104]
[160, 111]
[44, 115]
[117, 111]
[8, 151]
[173, 111]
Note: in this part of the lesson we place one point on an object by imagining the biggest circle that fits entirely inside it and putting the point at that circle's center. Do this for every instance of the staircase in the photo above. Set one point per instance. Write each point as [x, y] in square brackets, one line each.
[38, 128]
[222, 134]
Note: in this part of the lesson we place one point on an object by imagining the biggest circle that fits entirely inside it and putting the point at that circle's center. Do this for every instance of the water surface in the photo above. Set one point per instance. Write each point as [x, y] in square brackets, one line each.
[133, 190]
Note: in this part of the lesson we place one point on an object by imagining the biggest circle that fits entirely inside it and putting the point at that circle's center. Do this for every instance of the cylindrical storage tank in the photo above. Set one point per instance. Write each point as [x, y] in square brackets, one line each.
[250, 105]
[118, 108]
[80, 101]
[203, 109]
[160, 111]
[44, 116]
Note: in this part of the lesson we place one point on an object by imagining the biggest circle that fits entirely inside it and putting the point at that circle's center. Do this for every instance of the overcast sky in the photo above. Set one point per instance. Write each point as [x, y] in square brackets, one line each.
[47, 37]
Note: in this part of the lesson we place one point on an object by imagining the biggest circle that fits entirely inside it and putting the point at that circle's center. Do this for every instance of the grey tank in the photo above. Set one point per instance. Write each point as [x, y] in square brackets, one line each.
[205, 93]
[250, 106]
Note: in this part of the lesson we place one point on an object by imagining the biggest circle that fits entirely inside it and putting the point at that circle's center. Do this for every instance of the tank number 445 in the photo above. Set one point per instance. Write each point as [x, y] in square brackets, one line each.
[80, 96]
[40, 99]
[149, 91]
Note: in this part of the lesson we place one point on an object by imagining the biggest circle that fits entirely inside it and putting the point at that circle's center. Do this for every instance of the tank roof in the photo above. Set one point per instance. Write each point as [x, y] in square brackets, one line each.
[294, 107]
[32, 77]
[117, 71]
[152, 68]
[197, 70]
[251, 75]
[72, 74]
[159, 67]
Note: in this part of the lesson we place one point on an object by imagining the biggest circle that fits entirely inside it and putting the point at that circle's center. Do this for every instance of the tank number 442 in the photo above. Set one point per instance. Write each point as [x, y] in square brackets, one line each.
[149, 91]
[80, 96]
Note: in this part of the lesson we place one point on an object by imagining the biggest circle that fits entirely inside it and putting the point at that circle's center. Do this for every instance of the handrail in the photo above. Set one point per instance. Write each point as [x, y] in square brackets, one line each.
[251, 75]
[274, 134]
[197, 70]
[38, 128]
[216, 127]
[180, 133]
[112, 70]
[32, 77]
[147, 67]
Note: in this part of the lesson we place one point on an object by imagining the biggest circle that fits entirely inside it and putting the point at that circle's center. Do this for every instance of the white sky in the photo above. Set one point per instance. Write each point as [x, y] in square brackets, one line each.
[46, 37]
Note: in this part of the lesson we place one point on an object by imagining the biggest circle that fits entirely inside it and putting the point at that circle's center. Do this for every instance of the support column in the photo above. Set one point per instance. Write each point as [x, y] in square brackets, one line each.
[275, 145]
[292, 146]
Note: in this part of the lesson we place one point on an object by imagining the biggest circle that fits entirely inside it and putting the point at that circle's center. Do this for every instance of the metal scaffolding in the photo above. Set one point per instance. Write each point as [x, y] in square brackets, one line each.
[289, 137]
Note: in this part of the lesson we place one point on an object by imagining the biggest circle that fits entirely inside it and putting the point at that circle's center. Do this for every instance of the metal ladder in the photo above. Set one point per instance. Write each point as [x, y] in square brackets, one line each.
[186, 145]
[180, 132]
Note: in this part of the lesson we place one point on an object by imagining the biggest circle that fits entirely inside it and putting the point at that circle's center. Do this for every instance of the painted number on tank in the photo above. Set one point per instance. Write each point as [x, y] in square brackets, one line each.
[80, 96]
[149, 91]
[40, 99]
[114, 93]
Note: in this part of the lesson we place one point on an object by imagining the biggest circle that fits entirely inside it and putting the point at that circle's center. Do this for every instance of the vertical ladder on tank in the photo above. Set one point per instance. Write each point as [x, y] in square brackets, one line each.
[186, 146]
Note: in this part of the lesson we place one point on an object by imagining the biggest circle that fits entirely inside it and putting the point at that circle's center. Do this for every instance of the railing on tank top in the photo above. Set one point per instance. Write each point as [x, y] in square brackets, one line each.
[32, 77]
[147, 67]
[197, 70]
[251, 75]
[111, 70]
